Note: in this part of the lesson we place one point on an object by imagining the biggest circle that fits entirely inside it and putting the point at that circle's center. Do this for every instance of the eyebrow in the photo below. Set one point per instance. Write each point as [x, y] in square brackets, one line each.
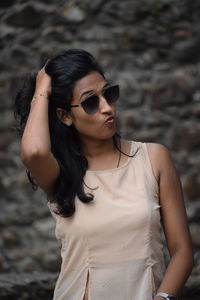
[92, 91]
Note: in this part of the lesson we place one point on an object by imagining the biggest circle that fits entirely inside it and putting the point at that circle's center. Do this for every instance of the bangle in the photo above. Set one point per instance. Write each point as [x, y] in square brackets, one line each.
[165, 296]
[39, 95]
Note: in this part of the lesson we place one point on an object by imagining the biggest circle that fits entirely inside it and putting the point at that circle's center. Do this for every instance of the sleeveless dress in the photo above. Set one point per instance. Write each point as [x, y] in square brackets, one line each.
[113, 243]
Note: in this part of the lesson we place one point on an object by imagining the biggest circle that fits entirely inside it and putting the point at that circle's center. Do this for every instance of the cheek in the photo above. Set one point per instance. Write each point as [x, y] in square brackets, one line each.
[85, 123]
[91, 128]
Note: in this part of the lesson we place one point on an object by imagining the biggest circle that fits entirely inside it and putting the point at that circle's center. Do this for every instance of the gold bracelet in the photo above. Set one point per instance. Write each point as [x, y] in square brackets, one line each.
[39, 95]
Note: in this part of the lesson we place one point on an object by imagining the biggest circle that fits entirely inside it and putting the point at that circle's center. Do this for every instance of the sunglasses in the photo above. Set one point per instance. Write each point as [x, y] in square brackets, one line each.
[91, 104]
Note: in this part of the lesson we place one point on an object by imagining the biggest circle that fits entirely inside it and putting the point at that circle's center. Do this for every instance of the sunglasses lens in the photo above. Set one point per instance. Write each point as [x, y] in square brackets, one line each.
[111, 94]
[91, 105]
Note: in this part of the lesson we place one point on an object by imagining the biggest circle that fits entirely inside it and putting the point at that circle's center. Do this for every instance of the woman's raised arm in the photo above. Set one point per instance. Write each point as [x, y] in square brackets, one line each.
[36, 145]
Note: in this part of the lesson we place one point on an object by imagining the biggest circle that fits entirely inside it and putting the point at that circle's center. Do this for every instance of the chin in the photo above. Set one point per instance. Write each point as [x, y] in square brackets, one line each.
[99, 134]
[107, 135]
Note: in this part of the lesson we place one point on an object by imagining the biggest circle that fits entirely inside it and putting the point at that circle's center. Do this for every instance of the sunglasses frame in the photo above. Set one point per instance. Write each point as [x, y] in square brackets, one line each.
[81, 104]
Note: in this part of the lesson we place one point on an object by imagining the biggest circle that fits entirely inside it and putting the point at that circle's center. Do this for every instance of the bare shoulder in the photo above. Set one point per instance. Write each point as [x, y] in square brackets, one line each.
[157, 149]
[160, 157]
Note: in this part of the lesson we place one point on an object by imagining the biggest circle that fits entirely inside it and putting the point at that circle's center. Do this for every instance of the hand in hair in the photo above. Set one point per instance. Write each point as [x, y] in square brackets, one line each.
[43, 82]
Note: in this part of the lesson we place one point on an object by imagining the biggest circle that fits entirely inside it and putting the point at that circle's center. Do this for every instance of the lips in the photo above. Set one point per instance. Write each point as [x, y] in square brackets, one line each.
[110, 120]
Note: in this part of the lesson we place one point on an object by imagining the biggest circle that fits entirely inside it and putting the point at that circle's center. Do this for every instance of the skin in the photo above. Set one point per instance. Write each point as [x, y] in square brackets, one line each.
[98, 147]
[96, 136]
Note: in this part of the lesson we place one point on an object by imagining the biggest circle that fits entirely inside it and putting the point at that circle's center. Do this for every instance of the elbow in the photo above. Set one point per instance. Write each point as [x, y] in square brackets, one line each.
[32, 154]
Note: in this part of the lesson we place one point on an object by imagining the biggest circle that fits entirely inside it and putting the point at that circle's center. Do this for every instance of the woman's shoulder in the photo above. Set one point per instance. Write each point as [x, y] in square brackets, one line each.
[154, 149]
[158, 151]
[160, 157]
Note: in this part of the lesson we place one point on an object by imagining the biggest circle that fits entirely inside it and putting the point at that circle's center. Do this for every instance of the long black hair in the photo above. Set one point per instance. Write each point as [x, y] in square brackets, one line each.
[64, 69]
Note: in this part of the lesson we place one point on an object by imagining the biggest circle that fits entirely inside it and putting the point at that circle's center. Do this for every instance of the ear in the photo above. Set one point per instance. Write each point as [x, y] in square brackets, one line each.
[64, 116]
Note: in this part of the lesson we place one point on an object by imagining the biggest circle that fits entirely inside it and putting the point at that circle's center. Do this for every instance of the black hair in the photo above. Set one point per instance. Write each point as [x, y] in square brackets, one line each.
[64, 69]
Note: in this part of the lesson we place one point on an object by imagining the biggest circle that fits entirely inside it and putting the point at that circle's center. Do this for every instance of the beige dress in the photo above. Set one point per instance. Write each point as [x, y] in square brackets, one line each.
[113, 243]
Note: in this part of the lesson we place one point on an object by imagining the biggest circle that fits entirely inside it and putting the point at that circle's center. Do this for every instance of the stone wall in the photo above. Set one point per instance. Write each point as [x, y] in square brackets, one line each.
[152, 49]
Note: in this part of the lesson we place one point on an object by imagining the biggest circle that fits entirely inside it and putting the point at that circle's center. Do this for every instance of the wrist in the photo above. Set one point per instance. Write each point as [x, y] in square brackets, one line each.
[40, 95]
[42, 91]
[164, 296]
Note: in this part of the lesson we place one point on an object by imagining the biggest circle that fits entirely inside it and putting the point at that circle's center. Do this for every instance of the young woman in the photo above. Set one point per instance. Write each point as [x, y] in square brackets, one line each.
[109, 196]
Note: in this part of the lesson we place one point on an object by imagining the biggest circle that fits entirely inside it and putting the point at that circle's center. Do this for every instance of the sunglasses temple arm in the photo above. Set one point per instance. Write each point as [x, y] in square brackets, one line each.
[75, 105]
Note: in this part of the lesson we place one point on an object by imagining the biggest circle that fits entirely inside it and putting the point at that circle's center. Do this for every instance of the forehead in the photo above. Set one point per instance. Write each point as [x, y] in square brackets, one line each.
[93, 81]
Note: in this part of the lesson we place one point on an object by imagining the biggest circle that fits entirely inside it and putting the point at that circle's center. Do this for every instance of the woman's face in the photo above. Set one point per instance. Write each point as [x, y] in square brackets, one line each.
[92, 126]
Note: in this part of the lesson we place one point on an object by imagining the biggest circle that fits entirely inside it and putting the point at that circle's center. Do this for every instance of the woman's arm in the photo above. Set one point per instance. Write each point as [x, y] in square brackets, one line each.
[174, 221]
[36, 145]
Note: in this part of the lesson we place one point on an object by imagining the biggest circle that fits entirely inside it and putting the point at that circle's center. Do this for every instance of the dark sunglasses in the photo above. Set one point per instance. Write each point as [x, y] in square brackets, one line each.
[91, 104]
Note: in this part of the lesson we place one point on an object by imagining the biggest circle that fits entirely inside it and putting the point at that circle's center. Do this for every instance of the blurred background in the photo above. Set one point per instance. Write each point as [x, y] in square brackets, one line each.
[152, 49]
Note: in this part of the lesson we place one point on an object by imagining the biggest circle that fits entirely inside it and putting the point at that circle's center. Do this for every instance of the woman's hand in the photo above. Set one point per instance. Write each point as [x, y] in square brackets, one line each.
[43, 82]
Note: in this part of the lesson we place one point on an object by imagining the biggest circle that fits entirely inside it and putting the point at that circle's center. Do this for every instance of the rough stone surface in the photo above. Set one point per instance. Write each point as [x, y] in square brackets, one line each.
[35, 286]
[151, 48]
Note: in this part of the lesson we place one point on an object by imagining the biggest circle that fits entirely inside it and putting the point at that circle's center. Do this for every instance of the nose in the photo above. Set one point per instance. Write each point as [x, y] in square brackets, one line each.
[104, 107]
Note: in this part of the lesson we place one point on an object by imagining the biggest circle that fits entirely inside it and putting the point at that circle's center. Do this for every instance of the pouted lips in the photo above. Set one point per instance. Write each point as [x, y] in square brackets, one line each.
[110, 120]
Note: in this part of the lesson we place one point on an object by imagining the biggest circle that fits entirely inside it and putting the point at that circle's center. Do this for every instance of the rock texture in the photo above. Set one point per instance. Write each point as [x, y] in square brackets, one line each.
[35, 286]
[152, 49]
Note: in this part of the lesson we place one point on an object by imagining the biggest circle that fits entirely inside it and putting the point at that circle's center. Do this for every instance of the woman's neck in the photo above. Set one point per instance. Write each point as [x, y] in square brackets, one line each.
[98, 148]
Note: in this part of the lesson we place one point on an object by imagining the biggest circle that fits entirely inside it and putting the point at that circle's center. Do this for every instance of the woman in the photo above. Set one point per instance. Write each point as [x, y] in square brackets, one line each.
[109, 196]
